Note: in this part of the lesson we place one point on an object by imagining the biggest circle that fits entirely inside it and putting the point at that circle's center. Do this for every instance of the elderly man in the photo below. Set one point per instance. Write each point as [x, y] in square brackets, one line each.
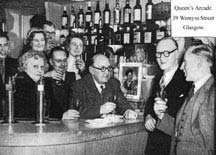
[8, 65]
[99, 94]
[170, 85]
[194, 127]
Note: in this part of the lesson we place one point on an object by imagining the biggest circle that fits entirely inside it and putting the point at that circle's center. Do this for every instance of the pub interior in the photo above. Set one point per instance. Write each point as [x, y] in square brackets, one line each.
[48, 46]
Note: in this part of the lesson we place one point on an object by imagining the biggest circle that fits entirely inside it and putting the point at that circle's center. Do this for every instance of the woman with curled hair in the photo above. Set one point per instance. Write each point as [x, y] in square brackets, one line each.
[32, 65]
[36, 40]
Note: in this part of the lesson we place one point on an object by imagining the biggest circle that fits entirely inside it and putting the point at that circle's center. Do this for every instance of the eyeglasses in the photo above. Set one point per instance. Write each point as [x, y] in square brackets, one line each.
[103, 69]
[165, 53]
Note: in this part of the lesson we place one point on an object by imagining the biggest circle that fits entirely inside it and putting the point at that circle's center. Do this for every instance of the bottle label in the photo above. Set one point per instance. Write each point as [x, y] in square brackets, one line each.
[147, 37]
[96, 18]
[137, 37]
[126, 38]
[127, 16]
[64, 21]
[160, 35]
[107, 17]
[40, 87]
[72, 20]
[149, 12]
[137, 15]
[88, 18]
[81, 20]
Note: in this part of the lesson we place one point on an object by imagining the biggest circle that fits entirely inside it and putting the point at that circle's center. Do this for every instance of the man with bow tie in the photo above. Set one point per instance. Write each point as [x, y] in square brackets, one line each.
[168, 94]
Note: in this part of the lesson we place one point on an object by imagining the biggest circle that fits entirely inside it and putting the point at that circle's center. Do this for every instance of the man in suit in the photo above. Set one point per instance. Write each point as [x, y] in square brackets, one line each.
[8, 65]
[171, 85]
[59, 88]
[194, 127]
[99, 94]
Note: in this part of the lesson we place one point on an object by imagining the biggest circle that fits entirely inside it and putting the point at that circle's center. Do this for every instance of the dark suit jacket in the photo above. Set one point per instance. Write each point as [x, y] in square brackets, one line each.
[59, 95]
[176, 91]
[11, 65]
[86, 91]
[194, 127]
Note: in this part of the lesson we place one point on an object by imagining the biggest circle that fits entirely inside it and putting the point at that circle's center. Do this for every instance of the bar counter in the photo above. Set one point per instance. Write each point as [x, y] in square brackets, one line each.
[77, 137]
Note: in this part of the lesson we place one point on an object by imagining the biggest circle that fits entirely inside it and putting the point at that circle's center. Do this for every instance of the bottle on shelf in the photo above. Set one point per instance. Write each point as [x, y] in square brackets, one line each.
[117, 14]
[64, 19]
[160, 30]
[137, 12]
[97, 14]
[72, 18]
[137, 35]
[106, 14]
[94, 36]
[148, 34]
[148, 11]
[89, 16]
[118, 36]
[100, 35]
[127, 35]
[80, 17]
[127, 13]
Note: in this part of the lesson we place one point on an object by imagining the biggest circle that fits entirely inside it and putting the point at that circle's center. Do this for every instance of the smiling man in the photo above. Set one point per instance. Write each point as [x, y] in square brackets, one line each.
[100, 94]
[171, 83]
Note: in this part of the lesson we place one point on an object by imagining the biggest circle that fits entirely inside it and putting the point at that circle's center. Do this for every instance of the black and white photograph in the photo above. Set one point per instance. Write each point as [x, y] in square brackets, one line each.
[107, 77]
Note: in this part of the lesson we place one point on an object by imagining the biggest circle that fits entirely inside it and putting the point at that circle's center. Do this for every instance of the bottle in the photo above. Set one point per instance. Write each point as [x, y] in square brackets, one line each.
[89, 16]
[117, 14]
[106, 14]
[97, 14]
[40, 102]
[72, 18]
[126, 35]
[80, 17]
[137, 35]
[64, 18]
[118, 36]
[137, 13]
[148, 35]
[148, 10]
[100, 35]
[127, 13]
[94, 36]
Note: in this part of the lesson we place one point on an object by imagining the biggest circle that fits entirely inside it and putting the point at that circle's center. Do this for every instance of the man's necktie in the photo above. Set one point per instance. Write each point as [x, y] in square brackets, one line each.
[162, 83]
[101, 88]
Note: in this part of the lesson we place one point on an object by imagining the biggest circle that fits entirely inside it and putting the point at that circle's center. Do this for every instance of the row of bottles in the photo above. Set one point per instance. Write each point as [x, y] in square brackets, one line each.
[125, 34]
[81, 19]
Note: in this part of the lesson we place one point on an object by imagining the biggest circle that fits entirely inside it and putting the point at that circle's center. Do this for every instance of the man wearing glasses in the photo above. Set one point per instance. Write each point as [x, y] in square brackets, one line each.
[169, 92]
[99, 94]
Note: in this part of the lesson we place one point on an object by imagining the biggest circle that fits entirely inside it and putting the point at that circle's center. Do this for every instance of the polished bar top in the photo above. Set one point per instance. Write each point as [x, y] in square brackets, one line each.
[64, 132]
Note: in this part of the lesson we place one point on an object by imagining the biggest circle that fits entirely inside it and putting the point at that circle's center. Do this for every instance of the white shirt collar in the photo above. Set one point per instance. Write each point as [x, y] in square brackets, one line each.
[169, 75]
[198, 84]
[98, 85]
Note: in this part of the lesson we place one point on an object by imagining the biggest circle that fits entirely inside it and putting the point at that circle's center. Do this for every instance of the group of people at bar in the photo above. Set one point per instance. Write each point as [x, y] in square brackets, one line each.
[179, 114]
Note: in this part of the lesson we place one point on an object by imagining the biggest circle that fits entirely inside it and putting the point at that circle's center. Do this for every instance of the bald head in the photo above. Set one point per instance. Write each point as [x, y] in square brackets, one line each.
[100, 59]
[167, 42]
[100, 68]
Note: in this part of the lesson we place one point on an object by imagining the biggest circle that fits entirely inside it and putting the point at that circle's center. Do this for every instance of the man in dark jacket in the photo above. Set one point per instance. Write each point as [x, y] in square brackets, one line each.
[170, 85]
[99, 94]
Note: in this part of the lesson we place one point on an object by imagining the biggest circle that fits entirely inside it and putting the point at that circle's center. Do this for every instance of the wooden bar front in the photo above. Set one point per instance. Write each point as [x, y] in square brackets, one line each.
[73, 137]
